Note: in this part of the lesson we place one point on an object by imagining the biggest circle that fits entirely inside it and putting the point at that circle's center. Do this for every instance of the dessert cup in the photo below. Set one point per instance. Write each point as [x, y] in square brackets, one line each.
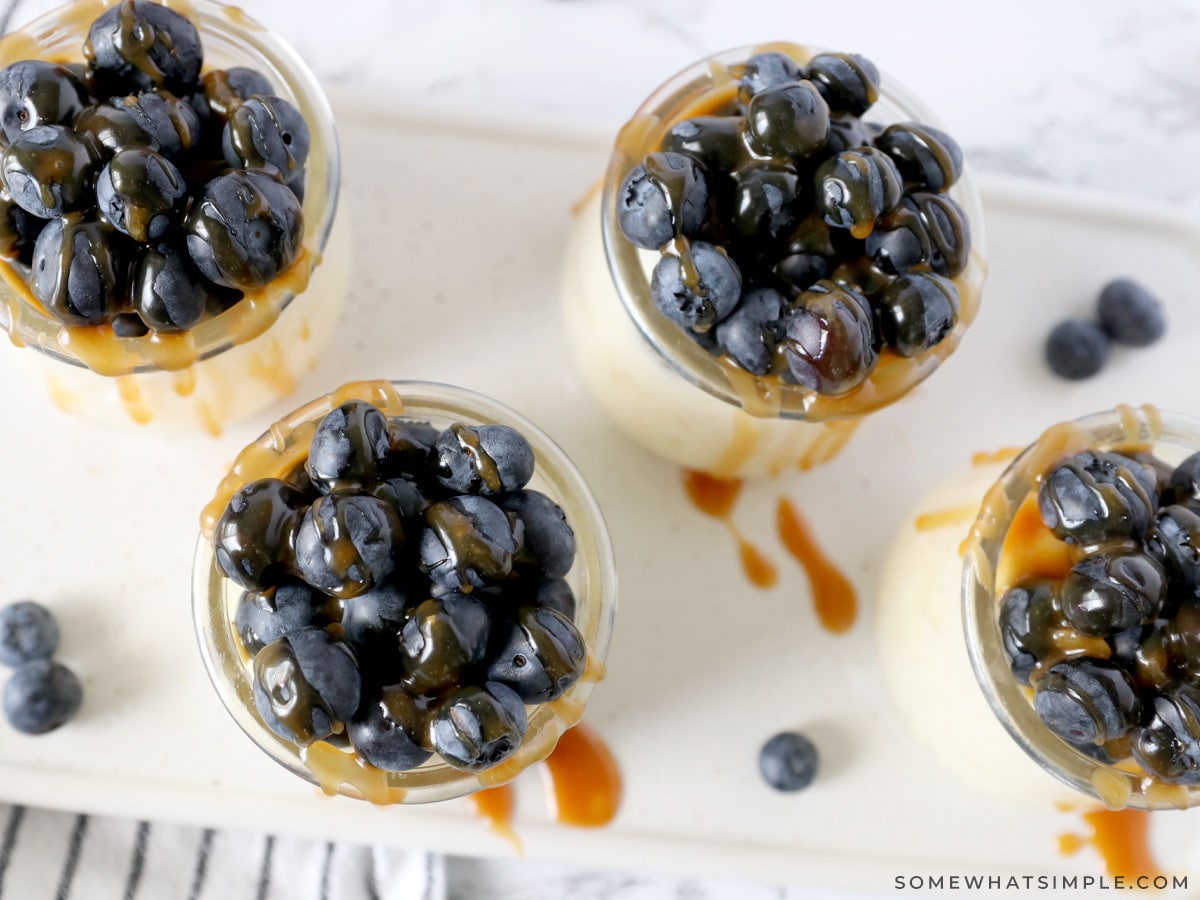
[666, 392]
[592, 578]
[235, 363]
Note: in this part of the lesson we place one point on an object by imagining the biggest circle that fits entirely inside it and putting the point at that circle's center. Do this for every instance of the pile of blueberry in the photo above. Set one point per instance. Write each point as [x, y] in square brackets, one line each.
[1112, 651]
[41, 694]
[404, 591]
[796, 239]
[138, 192]
[1127, 313]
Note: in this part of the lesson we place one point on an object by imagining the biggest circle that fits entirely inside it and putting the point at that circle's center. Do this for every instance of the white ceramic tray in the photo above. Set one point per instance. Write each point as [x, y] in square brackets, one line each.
[458, 241]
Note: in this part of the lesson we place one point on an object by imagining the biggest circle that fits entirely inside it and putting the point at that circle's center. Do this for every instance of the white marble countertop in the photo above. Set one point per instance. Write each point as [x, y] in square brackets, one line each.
[1098, 93]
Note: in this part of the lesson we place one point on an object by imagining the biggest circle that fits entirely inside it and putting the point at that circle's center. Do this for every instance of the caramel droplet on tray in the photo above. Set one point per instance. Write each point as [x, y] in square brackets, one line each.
[583, 782]
[1121, 837]
[496, 805]
[716, 497]
[834, 599]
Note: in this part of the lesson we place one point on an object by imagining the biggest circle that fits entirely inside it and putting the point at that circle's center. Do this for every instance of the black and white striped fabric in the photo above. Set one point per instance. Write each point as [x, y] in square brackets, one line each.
[47, 855]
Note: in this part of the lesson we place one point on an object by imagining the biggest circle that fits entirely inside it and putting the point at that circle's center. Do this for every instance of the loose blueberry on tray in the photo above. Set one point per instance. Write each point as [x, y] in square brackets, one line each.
[41, 694]
[788, 761]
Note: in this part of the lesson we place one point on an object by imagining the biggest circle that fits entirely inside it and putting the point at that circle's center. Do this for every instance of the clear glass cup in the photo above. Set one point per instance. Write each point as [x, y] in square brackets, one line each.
[986, 572]
[228, 366]
[664, 390]
[592, 578]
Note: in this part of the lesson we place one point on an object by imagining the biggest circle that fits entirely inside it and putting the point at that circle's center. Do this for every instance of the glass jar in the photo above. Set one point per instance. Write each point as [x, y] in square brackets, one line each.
[990, 566]
[592, 578]
[661, 387]
[235, 363]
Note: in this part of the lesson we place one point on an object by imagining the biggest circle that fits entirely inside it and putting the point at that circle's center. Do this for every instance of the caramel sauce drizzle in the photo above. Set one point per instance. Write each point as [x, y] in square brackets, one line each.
[496, 806]
[716, 497]
[1121, 837]
[944, 518]
[834, 598]
[583, 781]
[835, 434]
[987, 457]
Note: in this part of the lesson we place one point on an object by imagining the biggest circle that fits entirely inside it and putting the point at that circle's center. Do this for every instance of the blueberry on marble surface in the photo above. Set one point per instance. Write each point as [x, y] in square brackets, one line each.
[28, 631]
[41, 695]
[788, 762]
[1130, 314]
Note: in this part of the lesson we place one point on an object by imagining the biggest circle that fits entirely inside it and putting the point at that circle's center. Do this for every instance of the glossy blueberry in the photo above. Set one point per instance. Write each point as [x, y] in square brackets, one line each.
[129, 325]
[475, 728]
[848, 82]
[409, 444]
[1087, 701]
[48, 171]
[19, 229]
[948, 231]
[788, 761]
[78, 270]
[168, 124]
[927, 157]
[1179, 638]
[442, 639]
[223, 91]
[348, 447]
[34, 92]
[41, 695]
[389, 729]
[1167, 745]
[846, 132]
[1076, 349]
[1176, 539]
[663, 197]
[468, 542]
[555, 594]
[265, 616]
[1184, 481]
[142, 44]
[763, 201]
[347, 543]
[699, 294]
[107, 128]
[809, 255]
[269, 134]
[548, 548]
[371, 623]
[828, 339]
[716, 142]
[900, 241]
[854, 188]
[306, 685]
[28, 631]
[1110, 592]
[254, 537]
[539, 656]
[789, 121]
[482, 459]
[140, 193]
[750, 333]
[245, 82]
[1027, 616]
[405, 496]
[168, 292]
[766, 70]
[1130, 313]
[1092, 497]
[244, 229]
[916, 311]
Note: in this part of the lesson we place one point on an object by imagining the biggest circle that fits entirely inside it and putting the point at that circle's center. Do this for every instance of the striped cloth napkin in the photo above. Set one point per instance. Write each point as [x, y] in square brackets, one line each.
[46, 855]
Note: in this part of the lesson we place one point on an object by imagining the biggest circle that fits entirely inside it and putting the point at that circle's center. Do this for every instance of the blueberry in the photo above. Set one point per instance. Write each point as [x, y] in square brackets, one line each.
[766, 70]
[482, 459]
[846, 132]
[809, 254]
[662, 198]
[19, 229]
[306, 685]
[900, 241]
[539, 656]
[468, 543]
[1167, 745]
[848, 82]
[763, 204]
[142, 44]
[474, 728]
[1028, 614]
[1130, 314]
[107, 128]
[1179, 640]
[828, 339]
[225, 89]
[265, 616]
[750, 333]
[854, 188]
[405, 496]
[790, 121]
[48, 170]
[168, 124]
[698, 288]
[34, 92]
[78, 270]
[244, 229]
[371, 623]
[246, 82]
[788, 761]
[548, 548]
[1093, 497]
[1110, 592]
[129, 325]
[948, 230]
[269, 134]
[140, 193]
[443, 639]
[409, 444]
[716, 142]
[41, 695]
[1076, 349]
[1085, 700]
[1176, 540]
[1184, 481]
[389, 729]
[927, 157]
[169, 293]
[347, 543]
[28, 631]
[255, 534]
[916, 312]
[348, 447]
[555, 594]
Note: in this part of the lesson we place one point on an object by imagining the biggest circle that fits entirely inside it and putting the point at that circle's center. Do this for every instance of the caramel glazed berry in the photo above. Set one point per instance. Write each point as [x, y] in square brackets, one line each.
[404, 591]
[1112, 650]
[137, 192]
[796, 239]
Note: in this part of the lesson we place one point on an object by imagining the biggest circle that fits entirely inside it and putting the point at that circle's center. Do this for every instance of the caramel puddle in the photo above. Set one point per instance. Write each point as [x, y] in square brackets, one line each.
[834, 598]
